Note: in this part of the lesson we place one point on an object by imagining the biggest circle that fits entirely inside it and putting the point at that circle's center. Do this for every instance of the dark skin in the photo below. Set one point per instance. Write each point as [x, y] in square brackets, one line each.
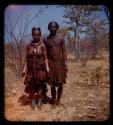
[36, 38]
[53, 29]
[56, 94]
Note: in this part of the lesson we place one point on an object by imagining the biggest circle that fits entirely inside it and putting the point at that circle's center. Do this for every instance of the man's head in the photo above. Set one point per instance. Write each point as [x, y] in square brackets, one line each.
[53, 26]
[36, 33]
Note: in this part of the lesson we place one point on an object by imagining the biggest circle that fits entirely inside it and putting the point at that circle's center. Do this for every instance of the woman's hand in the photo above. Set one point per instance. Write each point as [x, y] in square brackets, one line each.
[48, 70]
[23, 73]
[48, 73]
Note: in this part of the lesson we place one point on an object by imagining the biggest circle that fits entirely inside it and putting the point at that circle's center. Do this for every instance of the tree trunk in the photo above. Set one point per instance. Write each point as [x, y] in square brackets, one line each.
[94, 51]
[77, 47]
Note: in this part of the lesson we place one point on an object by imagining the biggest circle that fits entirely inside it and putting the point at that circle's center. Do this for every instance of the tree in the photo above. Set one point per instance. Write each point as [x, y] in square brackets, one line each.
[63, 31]
[96, 32]
[80, 17]
[17, 40]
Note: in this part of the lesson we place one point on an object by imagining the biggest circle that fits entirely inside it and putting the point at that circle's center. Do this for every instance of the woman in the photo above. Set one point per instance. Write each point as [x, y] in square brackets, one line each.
[36, 67]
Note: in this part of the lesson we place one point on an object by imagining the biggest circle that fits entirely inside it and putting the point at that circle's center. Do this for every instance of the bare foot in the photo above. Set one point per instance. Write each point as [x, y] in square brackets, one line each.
[59, 104]
[32, 107]
[39, 107]
[52, 101]
[53, 106]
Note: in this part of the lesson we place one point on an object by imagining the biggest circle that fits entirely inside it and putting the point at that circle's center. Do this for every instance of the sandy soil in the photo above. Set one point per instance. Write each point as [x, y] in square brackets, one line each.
[82, 100]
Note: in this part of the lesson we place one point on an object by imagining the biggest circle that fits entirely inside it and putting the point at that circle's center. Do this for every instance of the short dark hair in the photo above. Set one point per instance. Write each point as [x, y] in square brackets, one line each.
[33, 29]
[54, 23]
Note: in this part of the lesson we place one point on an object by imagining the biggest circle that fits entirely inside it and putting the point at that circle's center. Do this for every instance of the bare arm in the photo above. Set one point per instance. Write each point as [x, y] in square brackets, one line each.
[64, 53]
[24, 69]
[47, 66]
[25, 65]
[45, 57]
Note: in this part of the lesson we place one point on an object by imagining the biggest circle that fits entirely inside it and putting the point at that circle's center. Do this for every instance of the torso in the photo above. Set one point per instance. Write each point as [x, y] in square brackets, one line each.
[54, 48]
[34, 56]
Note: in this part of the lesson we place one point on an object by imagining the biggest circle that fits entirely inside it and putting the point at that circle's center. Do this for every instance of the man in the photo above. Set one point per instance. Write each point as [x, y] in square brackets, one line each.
[57, 60]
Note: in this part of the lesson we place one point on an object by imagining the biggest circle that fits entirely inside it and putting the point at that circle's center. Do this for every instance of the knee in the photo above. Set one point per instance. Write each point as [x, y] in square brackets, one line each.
[60, 86]
[52, 86]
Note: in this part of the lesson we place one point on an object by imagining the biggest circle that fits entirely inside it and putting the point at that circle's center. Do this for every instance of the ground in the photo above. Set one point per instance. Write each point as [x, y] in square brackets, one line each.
[82, 100]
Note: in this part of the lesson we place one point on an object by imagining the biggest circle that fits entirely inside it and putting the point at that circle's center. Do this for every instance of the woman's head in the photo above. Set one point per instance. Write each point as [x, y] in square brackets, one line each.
[53, 26]
[36, 34]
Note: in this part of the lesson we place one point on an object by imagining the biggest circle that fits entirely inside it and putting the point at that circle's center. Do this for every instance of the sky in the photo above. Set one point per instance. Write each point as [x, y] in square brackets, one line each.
[51, 13]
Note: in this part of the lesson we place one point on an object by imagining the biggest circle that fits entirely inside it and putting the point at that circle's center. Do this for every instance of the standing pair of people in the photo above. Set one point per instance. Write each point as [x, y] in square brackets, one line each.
[46, 62]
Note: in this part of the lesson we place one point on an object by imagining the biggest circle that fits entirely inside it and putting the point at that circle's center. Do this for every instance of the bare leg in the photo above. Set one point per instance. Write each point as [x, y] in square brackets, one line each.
[53, 93]
[44, 91]
[32, 95]
[33, 104]
[59, 93]
[39, 103]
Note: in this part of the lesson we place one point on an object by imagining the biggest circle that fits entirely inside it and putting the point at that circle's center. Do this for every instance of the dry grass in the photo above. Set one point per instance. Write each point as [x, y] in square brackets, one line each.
[83, 99]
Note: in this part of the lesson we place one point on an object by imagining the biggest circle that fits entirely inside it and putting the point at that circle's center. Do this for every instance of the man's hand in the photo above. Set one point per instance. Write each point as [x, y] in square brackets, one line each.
[66, 69]
[65, 66]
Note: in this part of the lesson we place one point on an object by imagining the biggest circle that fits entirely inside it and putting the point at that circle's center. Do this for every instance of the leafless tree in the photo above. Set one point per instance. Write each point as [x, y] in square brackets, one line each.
[81, 17]
[17, 40]
[96, 32]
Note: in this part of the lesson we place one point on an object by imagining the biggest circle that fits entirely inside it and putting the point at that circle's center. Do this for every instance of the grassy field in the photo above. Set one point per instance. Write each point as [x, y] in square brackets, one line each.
[83, 99]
